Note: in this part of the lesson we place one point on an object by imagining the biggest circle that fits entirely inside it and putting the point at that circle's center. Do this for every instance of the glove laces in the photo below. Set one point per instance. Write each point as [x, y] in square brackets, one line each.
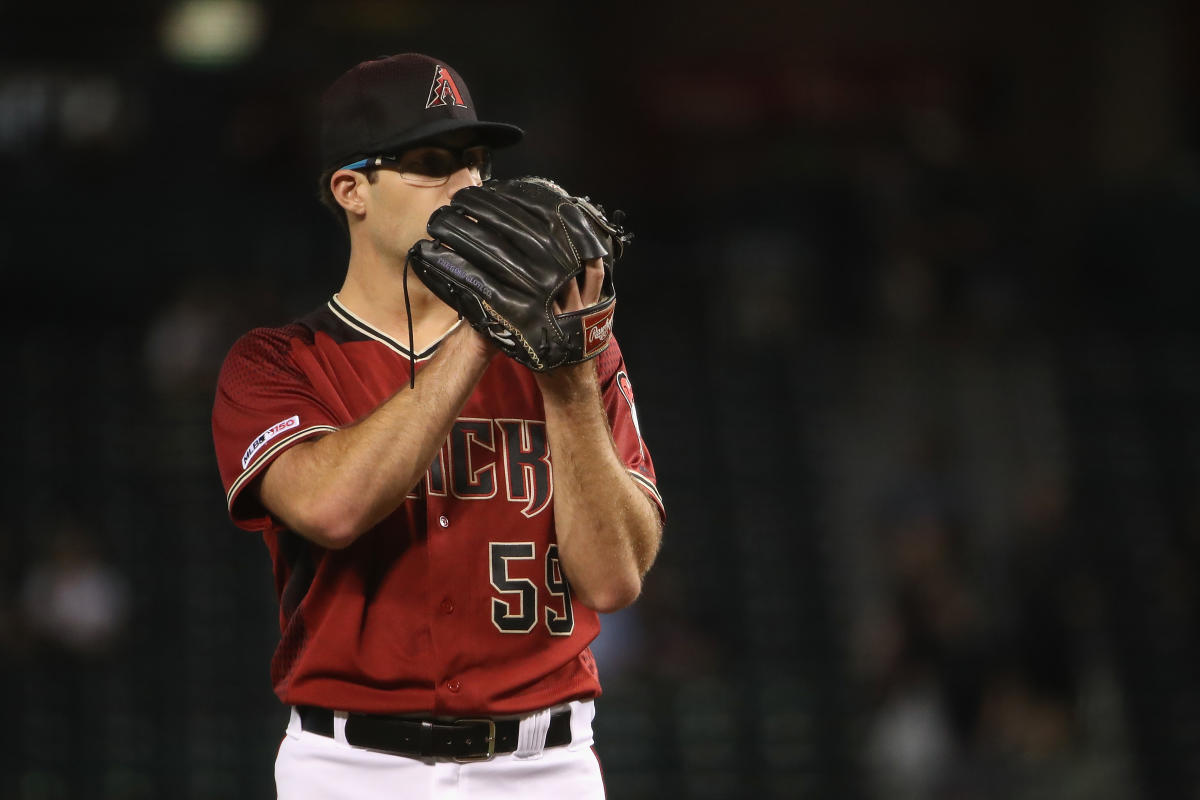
[412, 356]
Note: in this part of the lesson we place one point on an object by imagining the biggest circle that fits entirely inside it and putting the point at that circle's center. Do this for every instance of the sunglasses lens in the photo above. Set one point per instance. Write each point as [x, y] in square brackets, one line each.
[431, 163]
[433, 166]
[479, 159]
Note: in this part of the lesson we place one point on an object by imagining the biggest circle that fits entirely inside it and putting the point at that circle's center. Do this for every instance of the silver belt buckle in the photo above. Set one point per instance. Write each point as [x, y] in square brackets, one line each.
[491, 742]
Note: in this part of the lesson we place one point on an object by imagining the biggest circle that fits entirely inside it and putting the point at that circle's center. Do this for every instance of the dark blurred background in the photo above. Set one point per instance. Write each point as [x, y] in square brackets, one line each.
[910, 315]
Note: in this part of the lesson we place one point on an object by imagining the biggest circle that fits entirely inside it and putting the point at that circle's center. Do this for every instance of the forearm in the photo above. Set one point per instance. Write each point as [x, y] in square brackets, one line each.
[608, 530]
[335, 488]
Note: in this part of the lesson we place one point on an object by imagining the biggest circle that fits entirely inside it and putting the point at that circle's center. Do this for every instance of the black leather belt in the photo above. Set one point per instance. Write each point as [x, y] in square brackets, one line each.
[461, 740]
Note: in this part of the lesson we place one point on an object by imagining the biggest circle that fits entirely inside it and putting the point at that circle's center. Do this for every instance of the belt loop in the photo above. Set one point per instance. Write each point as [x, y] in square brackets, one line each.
[531, 734]
[426, 743]
[582, 714]
[294, 726]
[339, 726]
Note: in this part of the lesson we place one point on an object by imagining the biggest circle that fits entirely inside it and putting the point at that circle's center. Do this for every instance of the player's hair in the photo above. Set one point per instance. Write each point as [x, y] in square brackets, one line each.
[325, 195]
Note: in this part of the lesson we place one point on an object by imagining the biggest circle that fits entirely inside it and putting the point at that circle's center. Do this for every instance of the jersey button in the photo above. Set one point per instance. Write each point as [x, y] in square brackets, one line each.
[454, 684]
[444, 521]
[447, 606]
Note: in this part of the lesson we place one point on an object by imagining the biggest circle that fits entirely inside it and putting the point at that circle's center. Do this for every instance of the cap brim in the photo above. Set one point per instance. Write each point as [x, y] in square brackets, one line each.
[492, 134]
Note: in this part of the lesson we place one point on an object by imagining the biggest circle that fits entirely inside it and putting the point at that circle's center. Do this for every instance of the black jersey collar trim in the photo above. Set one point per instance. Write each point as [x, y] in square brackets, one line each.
[348, 318]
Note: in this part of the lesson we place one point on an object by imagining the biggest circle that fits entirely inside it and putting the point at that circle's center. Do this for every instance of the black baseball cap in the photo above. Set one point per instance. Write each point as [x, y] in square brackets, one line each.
[386, 105]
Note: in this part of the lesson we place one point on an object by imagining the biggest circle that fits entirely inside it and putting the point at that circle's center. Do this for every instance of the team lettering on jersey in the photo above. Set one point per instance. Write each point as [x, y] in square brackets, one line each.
[481, 454]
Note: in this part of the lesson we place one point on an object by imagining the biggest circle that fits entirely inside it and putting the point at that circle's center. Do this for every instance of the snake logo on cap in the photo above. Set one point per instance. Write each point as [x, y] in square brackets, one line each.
[444, 92]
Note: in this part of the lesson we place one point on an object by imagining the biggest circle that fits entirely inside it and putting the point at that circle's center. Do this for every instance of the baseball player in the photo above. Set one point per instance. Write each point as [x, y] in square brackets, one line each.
[444, 461]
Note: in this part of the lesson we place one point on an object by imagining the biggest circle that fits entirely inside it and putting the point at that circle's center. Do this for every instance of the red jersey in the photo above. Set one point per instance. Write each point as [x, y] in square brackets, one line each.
[455, 604]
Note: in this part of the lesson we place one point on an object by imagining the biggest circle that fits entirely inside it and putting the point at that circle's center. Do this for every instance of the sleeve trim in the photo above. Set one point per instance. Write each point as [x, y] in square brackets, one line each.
[647, 486]
[266, 456]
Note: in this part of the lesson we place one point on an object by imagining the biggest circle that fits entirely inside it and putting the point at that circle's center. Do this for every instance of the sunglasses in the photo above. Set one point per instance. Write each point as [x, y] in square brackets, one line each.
[432, 166]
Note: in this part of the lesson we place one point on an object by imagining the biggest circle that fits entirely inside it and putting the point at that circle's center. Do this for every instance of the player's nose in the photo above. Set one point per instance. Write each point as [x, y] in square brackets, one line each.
[462, 178]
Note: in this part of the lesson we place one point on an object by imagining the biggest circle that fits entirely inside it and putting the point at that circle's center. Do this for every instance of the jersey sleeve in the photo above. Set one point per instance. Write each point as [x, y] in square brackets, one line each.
[264, 404]
[617, 391]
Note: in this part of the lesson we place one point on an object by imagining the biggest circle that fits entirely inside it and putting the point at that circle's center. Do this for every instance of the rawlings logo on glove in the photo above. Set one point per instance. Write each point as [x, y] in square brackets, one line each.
[503, 252]
[597, 330]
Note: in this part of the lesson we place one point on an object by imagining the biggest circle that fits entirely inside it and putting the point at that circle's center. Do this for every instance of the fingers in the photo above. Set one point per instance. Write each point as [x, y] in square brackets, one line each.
[582, 292]
[568, 299]
[593, 282]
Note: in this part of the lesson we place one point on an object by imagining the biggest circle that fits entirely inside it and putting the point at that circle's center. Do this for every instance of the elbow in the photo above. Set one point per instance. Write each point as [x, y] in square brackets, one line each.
[330, 538]
[613, 595]
[328, 526]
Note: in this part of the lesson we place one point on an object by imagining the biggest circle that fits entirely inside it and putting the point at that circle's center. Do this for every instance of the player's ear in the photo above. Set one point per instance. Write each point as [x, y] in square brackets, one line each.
[348, 187]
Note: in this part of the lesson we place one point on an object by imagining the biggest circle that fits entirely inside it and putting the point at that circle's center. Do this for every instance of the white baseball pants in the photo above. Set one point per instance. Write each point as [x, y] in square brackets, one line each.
[315, 767]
